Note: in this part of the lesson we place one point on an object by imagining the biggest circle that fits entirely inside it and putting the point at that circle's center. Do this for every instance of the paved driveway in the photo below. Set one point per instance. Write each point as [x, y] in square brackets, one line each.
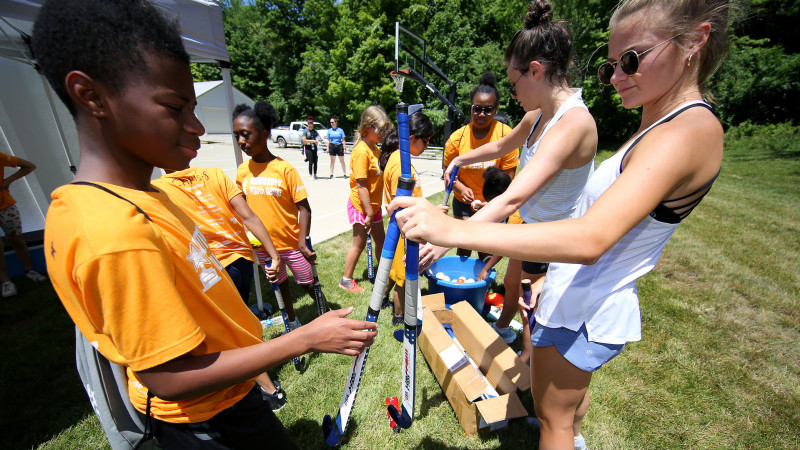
[326, 196]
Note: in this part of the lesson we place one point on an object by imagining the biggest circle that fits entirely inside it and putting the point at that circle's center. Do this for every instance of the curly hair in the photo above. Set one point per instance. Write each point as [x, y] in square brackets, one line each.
[106, 39]
[263, 114]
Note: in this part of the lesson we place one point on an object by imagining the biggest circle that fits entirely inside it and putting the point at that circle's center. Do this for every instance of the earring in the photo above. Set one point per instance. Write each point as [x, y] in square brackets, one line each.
[689, 63]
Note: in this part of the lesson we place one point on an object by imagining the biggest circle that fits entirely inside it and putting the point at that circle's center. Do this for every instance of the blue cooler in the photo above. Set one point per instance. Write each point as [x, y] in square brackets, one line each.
[460, 266]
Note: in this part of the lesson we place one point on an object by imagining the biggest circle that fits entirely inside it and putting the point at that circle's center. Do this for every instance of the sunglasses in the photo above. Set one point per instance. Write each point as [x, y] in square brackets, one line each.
[628, 62]
[478, 109]
[513, 88]
[382, 131]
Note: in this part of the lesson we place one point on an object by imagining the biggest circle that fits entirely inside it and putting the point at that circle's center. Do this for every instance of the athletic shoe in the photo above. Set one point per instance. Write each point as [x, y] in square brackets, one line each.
[277, 399]
[294, 324]
[397, 320]
[9, 289]
[580, 443]
[507, 334]
[350, 286]
[331, 177]
[35, 276]
[387, 303]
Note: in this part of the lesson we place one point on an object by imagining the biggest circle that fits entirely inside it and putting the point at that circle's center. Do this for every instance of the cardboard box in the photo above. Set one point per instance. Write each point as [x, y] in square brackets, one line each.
[498, 367]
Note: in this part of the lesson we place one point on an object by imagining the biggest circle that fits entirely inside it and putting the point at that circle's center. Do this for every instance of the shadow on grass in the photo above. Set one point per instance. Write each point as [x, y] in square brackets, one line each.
[40, 390]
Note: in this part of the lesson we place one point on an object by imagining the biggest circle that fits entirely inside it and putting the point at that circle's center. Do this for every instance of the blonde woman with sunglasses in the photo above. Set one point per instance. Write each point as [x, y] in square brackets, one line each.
[366, 190]
[588, 304]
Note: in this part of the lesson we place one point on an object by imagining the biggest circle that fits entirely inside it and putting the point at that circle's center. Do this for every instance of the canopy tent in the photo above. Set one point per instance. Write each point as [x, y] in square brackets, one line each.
[36, 126]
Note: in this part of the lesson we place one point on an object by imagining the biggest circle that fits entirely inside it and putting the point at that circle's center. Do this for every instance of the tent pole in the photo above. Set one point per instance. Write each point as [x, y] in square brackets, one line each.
[58, 123]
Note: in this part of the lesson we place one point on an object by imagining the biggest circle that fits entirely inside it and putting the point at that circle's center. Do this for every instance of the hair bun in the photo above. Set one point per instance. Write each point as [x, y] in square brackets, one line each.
[539, 12]
[488, 78]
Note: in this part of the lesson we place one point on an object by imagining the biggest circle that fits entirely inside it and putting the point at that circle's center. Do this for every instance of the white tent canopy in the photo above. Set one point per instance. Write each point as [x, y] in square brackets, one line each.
[36, 126]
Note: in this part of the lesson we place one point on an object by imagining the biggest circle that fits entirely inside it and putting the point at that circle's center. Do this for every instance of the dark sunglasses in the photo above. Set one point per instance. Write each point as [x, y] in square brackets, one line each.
[513, 88]
[478, 109]
[628, 62]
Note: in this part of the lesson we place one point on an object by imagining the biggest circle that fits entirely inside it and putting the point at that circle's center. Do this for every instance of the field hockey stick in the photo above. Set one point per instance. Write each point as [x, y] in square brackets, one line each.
[526, 297]
[319, 297]
[298, 362]
[449, 188]
[334, 429]
[370, 266]
[405, 417]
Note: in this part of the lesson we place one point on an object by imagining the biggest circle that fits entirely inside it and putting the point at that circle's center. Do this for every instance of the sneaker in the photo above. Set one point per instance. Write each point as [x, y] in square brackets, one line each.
[331, 177]
[580, 443]
[350, 286]
[9, 289]
[294, 324]
[507, 334]
[387, 303]
[277, 399]
[35, 276]
[397, 320]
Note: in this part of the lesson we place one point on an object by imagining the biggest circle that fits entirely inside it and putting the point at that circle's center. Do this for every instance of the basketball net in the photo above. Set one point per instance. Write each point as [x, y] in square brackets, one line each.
[398, 81]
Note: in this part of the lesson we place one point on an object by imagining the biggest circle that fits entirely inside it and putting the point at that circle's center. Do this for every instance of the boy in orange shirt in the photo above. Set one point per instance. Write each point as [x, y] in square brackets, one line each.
[137, 277]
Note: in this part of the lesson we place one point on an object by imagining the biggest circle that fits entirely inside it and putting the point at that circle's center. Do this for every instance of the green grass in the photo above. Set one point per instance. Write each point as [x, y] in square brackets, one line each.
[717, 366]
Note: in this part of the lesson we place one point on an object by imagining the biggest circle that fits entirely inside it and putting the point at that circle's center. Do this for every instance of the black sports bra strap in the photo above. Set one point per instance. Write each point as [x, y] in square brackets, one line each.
[664, 120]
[103, 188]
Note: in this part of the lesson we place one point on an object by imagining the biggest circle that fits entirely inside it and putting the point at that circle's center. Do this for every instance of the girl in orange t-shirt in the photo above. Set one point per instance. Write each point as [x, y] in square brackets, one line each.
[273, 189]
[366, 188]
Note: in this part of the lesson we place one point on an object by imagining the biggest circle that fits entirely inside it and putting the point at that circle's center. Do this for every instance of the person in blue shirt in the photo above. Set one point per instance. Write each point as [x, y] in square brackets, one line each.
[336, 145]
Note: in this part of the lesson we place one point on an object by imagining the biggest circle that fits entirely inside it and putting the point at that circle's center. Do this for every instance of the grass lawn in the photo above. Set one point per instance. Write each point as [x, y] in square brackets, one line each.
[717, 366]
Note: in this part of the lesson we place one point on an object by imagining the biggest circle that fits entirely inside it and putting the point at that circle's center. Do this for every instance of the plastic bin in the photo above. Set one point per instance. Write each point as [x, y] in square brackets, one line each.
[457, 266]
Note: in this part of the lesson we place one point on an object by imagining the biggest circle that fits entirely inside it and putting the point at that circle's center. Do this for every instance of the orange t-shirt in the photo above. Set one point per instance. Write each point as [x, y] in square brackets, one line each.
[364, 166]
[204, 194]
[272, 190]
[6, 199]
[391, 175]
[144, 293]
[463, 141]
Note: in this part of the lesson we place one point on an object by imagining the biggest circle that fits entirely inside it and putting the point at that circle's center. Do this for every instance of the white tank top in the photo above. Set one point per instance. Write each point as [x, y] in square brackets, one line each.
[558, 198]
[603, 295]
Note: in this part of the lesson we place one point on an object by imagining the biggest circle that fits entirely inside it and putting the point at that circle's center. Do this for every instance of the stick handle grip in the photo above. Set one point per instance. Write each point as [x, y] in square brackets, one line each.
[526, 297]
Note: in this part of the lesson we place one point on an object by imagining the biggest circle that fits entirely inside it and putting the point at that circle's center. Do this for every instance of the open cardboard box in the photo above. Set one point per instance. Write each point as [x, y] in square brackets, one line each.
[462, 383]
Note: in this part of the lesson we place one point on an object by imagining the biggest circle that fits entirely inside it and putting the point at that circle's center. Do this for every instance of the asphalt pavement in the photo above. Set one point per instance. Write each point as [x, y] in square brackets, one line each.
[327, 197]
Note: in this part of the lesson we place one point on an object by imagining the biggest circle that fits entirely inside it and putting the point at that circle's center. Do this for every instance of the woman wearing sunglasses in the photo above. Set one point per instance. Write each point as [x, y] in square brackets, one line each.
[558, 137]
[662, 53]
[481, 129]
[366, 189]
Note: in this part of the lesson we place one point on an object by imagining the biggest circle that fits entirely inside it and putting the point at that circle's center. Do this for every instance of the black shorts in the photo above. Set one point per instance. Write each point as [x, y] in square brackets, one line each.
[534, 267]
[461, 209]
[337, 150]
[248, 424]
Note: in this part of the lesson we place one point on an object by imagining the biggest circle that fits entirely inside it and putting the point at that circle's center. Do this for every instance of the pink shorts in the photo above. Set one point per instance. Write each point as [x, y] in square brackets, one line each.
[299, 265]
[357, 216]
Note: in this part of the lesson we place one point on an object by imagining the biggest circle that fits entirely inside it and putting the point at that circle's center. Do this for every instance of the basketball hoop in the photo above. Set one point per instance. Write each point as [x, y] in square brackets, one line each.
[398, 79]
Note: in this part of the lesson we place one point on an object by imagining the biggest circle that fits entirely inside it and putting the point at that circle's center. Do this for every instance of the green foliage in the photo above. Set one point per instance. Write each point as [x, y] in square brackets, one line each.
[324, 57]
[758, 83]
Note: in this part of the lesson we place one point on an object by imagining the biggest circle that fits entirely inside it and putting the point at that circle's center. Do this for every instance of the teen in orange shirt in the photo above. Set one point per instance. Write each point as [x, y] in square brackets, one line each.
[274, 191]
[137, 277]
[366, 188]
[482, 129]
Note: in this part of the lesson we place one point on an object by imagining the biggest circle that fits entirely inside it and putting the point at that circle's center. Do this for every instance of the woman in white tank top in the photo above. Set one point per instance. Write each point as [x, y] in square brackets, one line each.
[558, 137]
[660, 56]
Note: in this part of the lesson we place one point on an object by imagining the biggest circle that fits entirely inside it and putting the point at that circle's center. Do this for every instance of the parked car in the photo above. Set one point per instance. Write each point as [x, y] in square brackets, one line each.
[292, 135]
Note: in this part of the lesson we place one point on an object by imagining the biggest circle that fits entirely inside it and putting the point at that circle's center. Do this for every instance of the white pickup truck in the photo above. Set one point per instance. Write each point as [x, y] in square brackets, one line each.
[292, 135]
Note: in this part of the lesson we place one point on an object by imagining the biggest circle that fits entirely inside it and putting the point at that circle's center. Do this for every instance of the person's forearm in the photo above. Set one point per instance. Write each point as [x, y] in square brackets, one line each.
[304, 223]
[192, 376]
[260, 232]
[366, 203]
